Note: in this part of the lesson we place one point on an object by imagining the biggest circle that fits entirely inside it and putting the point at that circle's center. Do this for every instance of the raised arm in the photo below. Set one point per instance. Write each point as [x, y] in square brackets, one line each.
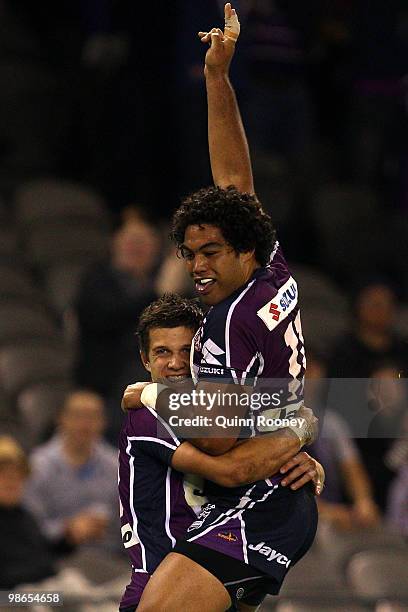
[229, 153]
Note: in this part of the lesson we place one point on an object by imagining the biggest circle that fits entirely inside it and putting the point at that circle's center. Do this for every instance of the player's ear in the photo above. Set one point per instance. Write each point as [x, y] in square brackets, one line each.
[247, 256]
[145, 361]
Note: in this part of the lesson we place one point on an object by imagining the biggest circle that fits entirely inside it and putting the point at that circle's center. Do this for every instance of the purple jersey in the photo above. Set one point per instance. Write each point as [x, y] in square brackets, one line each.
[255, 334]
[252, 338]
[153, 507]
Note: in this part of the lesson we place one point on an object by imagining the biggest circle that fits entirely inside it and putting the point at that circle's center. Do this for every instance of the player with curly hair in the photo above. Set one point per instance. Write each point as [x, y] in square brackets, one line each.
[251, 336]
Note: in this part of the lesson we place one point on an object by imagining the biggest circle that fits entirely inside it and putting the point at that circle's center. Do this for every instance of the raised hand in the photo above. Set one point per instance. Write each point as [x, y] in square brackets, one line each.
[222, 44]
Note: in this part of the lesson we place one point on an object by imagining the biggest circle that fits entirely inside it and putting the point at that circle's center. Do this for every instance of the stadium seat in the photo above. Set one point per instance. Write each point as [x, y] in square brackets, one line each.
[58, 200]
[306, 579]
[38, 406]
[62, 282]
[20, 322]
[37, 362]
[56, 243]
[343, 545]
[374, 574]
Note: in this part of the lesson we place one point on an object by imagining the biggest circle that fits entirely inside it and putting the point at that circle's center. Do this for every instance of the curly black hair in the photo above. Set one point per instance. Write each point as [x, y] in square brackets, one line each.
[239, 216]
[170, 310]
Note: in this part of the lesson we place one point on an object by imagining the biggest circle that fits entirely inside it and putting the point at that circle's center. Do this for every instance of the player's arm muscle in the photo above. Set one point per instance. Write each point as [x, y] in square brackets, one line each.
[208, 400]
[229, 152]
[247, 462]
[228, 147]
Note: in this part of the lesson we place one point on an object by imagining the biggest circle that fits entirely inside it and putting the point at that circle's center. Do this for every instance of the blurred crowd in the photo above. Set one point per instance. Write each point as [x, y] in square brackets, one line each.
[102, 130]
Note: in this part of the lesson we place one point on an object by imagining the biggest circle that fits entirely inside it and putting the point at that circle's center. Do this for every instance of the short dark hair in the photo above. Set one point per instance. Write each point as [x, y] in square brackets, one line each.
[170, 310]
[239, 216]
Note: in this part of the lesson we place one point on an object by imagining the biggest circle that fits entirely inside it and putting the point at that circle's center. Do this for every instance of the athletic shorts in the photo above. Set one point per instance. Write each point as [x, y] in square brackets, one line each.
[243, 583]
[263, 541]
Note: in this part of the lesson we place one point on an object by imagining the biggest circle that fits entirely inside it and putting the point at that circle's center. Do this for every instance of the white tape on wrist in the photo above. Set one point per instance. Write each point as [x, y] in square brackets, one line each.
[232, 27]
[304, 433]
[150, 394]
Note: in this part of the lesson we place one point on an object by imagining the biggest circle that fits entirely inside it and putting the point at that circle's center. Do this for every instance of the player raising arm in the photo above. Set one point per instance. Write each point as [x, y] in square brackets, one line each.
[229, 153]
[246, 538]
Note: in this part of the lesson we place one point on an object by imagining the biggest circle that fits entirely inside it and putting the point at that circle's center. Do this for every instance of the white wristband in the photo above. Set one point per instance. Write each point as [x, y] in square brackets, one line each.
[305, 432]
[150, 394]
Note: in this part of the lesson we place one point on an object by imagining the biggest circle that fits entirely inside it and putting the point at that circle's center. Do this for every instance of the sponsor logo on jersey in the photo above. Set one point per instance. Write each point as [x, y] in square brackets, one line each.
[206, 511]
[211, 370]
[210, 352]
[277, 309]
[275, 312]
[229, 537]
[270, 553]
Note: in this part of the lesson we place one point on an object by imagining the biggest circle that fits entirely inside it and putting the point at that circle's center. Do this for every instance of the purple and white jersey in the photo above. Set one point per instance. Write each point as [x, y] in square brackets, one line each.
[254, 338]
[153, 507]
[255, 333]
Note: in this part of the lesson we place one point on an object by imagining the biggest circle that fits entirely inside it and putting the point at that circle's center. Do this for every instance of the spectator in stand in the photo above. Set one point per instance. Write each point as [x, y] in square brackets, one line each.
[72, 490]
[372, 341]
[110, 299]
[388, 397]
[371, 344]
[25, 553]
[347, 501]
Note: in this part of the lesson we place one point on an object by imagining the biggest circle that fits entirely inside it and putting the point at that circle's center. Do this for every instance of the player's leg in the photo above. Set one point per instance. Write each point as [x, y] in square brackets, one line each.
[179, 583]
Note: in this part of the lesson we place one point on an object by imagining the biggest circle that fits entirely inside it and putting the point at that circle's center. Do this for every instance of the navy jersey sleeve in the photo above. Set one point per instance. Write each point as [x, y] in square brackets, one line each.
[152, 435]
[158, 449]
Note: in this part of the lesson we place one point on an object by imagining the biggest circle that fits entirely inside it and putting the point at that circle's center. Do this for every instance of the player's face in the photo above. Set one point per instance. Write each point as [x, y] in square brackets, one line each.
[217, 269]
[169, 353]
